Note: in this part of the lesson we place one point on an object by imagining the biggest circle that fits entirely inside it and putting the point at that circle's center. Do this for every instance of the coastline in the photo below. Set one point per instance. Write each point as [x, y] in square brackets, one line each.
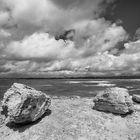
[75, 119]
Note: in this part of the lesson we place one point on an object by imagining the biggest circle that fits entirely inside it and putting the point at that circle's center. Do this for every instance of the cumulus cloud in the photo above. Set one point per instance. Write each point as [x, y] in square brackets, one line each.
[52, 16]
[40, 46]
[32, 48]
[47, 54]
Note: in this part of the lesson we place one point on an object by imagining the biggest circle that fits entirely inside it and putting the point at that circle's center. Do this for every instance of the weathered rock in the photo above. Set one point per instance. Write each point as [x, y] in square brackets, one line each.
[137, 107]
[23, 104]
[136, 98]
[115, 100]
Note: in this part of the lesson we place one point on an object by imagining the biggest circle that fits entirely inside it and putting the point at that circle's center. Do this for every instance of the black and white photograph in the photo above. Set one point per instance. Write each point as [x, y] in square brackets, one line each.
[69, 69]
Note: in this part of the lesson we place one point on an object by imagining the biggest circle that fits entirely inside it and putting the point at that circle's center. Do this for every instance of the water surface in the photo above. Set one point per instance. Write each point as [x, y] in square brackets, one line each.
[73, 87]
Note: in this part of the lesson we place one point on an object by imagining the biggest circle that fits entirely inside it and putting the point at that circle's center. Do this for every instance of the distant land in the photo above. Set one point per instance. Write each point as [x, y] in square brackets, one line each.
[76, 77]
[69, 75]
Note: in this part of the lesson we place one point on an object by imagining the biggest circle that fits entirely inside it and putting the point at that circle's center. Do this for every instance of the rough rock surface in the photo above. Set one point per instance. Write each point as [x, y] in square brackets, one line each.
[23, 104]
[114, 100]
[74, 119]
[136, 98]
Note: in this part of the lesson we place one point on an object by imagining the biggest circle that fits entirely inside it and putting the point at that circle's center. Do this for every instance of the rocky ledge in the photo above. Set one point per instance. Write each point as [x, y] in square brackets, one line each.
[75, 119]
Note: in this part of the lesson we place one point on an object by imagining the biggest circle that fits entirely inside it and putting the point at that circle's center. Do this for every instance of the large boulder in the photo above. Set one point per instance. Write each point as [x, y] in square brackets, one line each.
[22, 104]
[136, 98]
[115, 100]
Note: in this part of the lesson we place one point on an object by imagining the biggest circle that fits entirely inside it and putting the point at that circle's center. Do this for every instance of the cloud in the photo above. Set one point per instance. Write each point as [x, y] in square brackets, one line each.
[32, 24]
[132, 47]
[43, 53]
[137, 34]
[4, 70]
[4, 16]
[53, 16]
[40, 46]
[4, 34]
[43, 46]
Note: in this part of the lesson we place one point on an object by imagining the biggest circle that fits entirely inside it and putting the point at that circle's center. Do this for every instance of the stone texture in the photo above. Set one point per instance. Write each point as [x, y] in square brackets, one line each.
[74, 119]
[23, 104]
[136, 98]
[115, 100]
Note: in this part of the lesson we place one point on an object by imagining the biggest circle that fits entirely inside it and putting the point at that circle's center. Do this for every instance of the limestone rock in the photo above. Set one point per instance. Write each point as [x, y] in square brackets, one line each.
[136, 98]
[115, 100]
[23, 104]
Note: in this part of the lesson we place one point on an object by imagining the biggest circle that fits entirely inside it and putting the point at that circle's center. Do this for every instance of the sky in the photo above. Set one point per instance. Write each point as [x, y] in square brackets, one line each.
[127, 11]
[106, 41]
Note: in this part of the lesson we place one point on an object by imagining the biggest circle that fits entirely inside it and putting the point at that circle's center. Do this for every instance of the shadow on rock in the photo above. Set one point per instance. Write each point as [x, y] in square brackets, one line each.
[115, 114]
[23, 126]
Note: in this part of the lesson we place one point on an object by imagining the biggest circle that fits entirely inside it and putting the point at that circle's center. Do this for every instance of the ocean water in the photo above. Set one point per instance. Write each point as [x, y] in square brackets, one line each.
[73, 87]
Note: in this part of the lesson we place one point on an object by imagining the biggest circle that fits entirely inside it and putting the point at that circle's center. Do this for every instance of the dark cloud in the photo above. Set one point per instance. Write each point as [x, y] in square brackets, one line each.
[4, 70]
[137, 34]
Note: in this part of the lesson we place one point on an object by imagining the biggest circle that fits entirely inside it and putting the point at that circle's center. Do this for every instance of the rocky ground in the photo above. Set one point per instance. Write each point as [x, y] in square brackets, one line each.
[74, 119]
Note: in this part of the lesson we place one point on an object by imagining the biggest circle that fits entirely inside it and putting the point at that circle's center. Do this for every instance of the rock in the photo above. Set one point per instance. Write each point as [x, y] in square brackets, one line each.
[137, 107]
[136, 98]
[115, 100]
[23, 104]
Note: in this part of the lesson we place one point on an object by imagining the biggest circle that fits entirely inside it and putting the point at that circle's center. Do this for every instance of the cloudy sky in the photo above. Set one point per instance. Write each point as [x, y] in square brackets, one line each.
[106, 40]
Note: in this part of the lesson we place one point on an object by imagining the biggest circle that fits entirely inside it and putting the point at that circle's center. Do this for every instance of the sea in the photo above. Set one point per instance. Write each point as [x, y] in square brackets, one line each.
[72, 87]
